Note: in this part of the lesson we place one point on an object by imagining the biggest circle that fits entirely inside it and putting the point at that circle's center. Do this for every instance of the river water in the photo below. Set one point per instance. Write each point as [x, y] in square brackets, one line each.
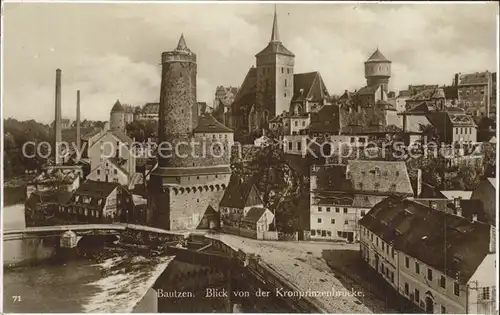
[78, 285]
[48, 287]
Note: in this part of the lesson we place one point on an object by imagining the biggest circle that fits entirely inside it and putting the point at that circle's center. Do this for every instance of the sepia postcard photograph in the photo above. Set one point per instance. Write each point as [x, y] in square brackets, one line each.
[249, 157]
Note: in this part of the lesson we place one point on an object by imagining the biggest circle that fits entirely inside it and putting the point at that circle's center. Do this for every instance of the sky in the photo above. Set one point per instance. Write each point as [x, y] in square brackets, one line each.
[112, 51]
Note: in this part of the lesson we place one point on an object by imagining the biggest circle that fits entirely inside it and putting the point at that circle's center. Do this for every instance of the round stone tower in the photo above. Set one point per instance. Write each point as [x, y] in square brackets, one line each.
[177, 100]
[117, 116]
[378, 70]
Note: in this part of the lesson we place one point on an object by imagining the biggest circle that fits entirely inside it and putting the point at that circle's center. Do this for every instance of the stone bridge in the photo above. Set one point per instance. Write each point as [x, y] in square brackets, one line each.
[22, 246]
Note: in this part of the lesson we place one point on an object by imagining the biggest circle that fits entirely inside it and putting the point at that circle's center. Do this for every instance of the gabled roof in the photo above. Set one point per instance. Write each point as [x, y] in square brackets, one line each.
[254, 214]
[377, 56]
[429, 94]
[117, 108]
[96, 189]
[90, 134]
[121, 135]
[312, 86]
[326, 120]
[151, 108]
[477, 78]
[237, 192]
[453, 245]
[247, 93]
[380, 176]
[208, 124]
[368, 90]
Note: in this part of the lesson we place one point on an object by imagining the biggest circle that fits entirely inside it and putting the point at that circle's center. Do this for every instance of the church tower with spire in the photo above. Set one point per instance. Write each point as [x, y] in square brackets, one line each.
[274, 79]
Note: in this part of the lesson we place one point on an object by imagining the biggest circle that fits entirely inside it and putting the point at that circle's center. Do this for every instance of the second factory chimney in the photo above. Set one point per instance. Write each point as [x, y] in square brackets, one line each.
[78, 136]
[57, 121]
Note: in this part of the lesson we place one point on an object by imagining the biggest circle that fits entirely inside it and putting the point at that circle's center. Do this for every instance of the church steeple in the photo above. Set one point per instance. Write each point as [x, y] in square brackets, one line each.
[275, 36]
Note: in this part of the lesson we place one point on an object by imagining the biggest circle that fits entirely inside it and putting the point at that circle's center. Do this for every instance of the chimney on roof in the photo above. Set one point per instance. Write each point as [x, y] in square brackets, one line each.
[474, 217]
[434, 205]
[57, 121]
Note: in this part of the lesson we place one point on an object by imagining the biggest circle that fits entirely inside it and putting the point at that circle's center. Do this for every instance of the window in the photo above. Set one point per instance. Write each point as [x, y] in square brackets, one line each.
[313, 232]
[346, 222]
[345, 210]
[392, 253]
[116, 172]
[484, 293]
[337, 210]
[429, 274]
[319, 220]
[392, 277]
[285, 82]
[319, 209]
[362, 213]
[285, 94]
[290, 146]
[299, 146]
[383, 246]
[376, 241]
[417, 268]
[407, 288]
[327, 209]
[288, 70]
[443, 309]
[417, 295]
[456, 289]
[442, 282]
[329, 233]
[407, 262]
[282, 70]
[333, 221]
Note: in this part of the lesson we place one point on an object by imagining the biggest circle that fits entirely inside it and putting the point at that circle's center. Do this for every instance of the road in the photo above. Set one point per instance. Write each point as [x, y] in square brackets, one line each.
[305, 264]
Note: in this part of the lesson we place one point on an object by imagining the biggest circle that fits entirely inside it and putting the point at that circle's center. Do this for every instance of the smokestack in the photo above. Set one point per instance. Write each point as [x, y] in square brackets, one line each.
[57, 121]
[78, 119]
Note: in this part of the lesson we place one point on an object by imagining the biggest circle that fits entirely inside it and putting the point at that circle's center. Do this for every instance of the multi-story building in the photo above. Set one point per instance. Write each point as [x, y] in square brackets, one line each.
[242, 210]
[192, 179]
[96, 201]
[428, 109]
[442, 262]
[476, 91]
[111, 156]
[342, 194]
[272, 88]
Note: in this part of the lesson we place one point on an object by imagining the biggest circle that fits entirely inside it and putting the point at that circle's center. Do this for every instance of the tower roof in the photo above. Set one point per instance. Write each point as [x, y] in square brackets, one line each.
[275, 46]
[377, 56]
[182, 44]
[117, 107]
[275, 36]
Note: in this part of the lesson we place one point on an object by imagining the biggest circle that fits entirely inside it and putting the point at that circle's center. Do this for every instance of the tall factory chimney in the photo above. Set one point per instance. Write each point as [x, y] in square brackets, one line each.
[78, 140]
[57, 121]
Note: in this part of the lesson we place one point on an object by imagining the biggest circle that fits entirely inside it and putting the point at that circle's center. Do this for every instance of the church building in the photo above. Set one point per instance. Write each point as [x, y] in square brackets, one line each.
[271, 87]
